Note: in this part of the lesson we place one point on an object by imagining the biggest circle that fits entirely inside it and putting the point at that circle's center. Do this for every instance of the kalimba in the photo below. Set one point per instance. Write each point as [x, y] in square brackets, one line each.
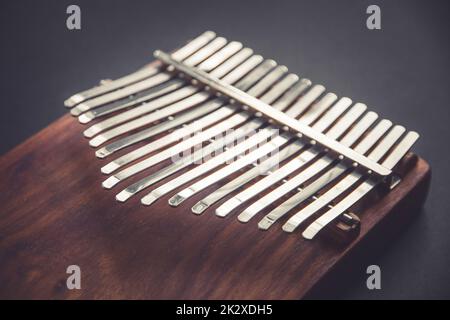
[226, 177]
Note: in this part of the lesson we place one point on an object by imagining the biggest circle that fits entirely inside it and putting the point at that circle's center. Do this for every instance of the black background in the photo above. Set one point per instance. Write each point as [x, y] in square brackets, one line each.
[401, 71]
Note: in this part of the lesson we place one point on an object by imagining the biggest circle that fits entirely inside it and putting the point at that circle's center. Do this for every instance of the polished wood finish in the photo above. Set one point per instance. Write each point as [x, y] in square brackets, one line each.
[54, 213]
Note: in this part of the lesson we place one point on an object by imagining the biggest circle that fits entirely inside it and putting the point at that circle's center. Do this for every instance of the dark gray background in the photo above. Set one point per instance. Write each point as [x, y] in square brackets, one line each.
[401, 71]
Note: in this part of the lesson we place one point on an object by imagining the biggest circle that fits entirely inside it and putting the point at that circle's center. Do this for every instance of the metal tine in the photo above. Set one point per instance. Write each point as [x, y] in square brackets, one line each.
[187, 93]
[259, 73]
[211, 132]
[349, 139]
[248, 159]
[148, 83]
[145, 72]
[218, 144]
[229, 154]
[343, 185]
[324, 122]
[152, 117]
[203, 109]
[268, 164]
[360, 191]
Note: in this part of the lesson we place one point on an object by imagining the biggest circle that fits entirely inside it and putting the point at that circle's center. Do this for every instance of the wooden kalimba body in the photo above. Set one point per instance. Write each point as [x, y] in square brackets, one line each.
[227, 177]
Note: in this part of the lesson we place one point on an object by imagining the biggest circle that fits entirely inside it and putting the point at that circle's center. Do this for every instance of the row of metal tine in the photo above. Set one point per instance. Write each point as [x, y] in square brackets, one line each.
[269, 167]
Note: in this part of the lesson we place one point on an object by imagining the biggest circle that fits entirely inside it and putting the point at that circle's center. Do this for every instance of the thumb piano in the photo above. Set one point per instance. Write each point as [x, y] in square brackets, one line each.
[220, 175]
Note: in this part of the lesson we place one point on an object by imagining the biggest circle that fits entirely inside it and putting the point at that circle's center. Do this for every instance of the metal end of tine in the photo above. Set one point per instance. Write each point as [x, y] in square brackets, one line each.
[73, 100]
[176, 200]
[149, 199]
[199, 207]
[265, 223]
[109, 168]
[86, 117]
[110, 182]
[123, 195]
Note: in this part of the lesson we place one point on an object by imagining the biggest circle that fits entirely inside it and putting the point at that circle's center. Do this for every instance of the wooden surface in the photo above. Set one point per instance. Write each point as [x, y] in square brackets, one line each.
[54, 213]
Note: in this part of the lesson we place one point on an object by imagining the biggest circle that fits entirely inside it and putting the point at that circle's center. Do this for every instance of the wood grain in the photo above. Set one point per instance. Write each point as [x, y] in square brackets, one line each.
[54, 213]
